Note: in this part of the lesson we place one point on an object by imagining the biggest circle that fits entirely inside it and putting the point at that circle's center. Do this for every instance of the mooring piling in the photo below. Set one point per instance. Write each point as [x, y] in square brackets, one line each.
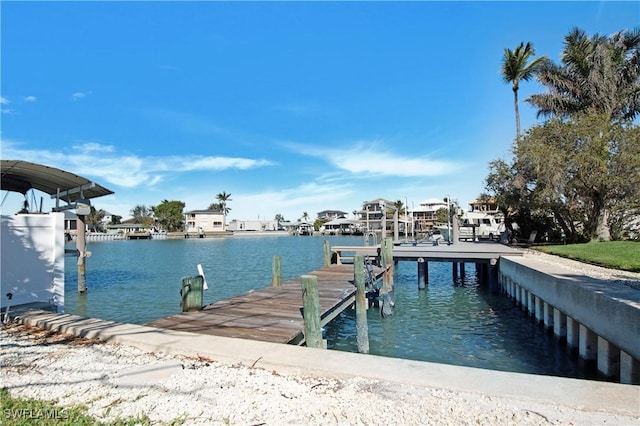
[362, 328]
[276, 271]
[311, 311]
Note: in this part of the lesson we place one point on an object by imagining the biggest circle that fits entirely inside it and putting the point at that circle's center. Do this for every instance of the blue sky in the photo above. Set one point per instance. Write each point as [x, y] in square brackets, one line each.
[290, 107]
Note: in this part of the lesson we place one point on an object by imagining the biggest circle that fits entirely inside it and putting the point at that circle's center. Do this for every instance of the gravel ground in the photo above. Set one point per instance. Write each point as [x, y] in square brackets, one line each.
[194, 391]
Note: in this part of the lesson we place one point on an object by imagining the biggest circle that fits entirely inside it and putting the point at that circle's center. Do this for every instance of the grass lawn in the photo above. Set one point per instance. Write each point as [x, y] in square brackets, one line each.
[33, 412]
[623, 255]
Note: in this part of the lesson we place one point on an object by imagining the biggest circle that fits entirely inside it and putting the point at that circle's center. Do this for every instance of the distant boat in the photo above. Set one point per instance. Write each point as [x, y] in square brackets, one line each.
[304, 229]
[340, 226]
[487, 227]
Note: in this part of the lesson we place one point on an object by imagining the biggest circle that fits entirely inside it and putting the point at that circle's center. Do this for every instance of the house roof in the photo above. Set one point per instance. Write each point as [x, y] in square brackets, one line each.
[21, 176]
[341, 221]
[218, 212]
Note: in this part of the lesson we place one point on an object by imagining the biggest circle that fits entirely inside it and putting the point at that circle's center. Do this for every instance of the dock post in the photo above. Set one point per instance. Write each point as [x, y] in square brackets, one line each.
[492, 275]
[362, 328]
[386, 291]
[462, 270]
[276, 271]
[454, 270]
[191, 293]
[327, 254]
[311, 311]
[423, 273]
[81, 247]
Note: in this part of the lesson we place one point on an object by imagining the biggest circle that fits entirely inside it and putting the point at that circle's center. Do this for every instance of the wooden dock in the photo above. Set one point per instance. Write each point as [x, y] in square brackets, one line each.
[272, 314]
[480, 252]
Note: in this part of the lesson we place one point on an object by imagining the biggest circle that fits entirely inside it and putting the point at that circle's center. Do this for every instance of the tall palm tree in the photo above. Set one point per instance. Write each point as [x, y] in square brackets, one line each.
[305, 216]
[223, 197]
[516, 68]
[598, 74]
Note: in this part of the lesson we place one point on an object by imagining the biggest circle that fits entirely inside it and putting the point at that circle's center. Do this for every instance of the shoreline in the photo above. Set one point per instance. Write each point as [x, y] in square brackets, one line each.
[116, 380]
[172, 376]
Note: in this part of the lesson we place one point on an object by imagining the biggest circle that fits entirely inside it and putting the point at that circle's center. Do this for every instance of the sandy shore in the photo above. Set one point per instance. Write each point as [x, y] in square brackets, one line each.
[120, 381]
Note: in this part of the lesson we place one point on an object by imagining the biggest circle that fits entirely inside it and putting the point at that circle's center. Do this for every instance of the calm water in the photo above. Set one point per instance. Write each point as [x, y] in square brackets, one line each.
[449, 322]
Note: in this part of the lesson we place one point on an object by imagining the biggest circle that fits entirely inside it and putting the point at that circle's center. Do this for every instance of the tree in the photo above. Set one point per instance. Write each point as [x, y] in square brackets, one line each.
[598, 74]
[399, 205]
[305, 216]
[279, 218]
[169, 214]
[223, 198]
[142, 214]
[115, 219]
[578, 170]
[516, 68]
[598, 77]
[441, 215]
[94, 219]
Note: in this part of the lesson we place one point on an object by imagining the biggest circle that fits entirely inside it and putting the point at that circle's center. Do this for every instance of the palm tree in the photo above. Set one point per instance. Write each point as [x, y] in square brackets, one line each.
[305, 216]
[399, 205]
[223, 197]
[597, 77]
[516, 68]
[598, 74]
[94, 219]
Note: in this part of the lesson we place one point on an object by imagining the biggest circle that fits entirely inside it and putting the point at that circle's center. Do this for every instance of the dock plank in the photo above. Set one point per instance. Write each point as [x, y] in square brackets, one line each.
[271, 314]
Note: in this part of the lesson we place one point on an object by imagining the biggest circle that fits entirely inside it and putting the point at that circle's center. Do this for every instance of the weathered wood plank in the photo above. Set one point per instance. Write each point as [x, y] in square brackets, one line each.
[271, 314]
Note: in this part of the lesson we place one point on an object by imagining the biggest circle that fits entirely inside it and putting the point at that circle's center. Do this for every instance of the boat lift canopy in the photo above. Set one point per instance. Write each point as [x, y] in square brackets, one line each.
[21, 176]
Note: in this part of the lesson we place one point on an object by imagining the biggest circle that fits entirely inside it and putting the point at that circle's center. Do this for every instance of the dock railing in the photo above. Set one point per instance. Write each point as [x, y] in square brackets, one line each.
[346, 254]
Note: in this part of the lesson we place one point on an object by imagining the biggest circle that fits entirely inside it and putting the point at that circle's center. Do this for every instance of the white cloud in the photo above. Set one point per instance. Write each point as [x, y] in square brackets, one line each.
[123, 169]
[373, 158]
[94, 147]
[29, 99]
[219, 163]
[4, 101]
[79, 95]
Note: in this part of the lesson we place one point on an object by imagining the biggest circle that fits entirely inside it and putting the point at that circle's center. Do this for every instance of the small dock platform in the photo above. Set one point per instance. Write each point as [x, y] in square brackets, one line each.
[272, 314]
[469, 252]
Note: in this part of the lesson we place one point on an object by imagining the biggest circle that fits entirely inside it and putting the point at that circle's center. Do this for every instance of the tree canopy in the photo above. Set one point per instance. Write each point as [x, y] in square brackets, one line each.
[142, 214]
[169, 214]
[581, 166]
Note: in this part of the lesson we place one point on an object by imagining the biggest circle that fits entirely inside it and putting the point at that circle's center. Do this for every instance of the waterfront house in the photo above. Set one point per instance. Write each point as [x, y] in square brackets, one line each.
[327, 215]
[202, 222]
[254, 226]
[425, 214]
[371, 215]
[487, 205]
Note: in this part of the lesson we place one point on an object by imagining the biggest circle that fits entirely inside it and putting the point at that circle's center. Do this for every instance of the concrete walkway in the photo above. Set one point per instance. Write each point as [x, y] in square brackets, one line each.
[287, 359]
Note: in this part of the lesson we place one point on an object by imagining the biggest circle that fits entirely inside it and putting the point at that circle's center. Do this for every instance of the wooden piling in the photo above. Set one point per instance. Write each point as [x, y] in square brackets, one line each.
[81, 247]
[311, 311]
[386, 291]
[191, 293]
[327, 254]
[362, 328]
[423, 273]
[276, 271]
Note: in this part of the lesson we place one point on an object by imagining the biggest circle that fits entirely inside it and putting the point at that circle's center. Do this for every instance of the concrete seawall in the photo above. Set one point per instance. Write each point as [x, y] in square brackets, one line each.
[599, 318]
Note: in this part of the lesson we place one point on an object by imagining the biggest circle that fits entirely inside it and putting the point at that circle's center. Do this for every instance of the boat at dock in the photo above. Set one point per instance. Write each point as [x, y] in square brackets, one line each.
[474, 225]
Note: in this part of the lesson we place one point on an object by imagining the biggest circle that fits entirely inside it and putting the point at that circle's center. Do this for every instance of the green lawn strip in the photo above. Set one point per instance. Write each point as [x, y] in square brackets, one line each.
[622, 255]
[33, 412]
